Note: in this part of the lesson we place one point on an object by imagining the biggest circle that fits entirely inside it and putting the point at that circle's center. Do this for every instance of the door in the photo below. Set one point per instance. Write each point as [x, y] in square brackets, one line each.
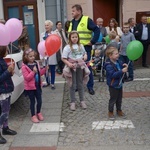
[106, 9]
[26, 11]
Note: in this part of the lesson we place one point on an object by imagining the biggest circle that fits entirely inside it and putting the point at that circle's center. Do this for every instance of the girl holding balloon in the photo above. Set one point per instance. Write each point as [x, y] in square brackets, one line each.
[6, 89]
[32, 83]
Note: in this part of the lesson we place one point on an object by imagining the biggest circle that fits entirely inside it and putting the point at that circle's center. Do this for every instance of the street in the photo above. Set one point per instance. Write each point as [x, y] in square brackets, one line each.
[90, 129]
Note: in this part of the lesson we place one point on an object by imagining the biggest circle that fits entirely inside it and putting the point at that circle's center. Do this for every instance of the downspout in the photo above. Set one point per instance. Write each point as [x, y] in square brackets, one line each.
[58, 11]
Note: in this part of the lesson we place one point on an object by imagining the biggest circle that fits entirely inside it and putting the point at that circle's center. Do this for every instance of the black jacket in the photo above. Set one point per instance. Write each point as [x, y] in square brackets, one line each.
[6, 83]
[139, 30]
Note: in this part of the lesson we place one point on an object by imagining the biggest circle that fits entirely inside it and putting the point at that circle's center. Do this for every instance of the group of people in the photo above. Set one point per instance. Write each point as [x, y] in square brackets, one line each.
[72, 58]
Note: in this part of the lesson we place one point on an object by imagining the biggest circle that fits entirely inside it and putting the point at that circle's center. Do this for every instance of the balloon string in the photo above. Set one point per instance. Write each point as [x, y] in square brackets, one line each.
[11, 52]
[123, 74]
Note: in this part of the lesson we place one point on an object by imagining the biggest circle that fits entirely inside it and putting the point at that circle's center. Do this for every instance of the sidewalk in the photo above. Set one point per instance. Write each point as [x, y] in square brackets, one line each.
[44, 134]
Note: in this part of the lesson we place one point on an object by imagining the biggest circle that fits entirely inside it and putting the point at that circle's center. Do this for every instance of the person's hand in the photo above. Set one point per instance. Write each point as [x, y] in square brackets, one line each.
[90, 44]
[11, 68]
[85, 57]
[125, 69]
[70, 65]
[35, 69]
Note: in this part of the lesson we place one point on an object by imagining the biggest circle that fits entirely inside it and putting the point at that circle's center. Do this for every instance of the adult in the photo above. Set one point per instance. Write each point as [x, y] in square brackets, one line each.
[67, 24]
[85, 26]
[50, 61]
[60, 31]
[99, 22]
[132, 24]
[142, 34]
[23, 40]
[113, 26]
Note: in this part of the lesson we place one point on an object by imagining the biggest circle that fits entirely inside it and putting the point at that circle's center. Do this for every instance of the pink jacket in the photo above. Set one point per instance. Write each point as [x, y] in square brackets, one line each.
[28, 74]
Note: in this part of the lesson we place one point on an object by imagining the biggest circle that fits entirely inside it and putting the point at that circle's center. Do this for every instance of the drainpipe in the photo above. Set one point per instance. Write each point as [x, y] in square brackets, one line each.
[58, 9]
[63, 11]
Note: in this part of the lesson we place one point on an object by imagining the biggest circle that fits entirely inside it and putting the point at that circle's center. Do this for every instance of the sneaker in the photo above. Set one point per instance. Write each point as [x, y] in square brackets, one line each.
[72, 106]
[46, 85]
[121, 114]
[40, 116]
[7, 131]
[83, 105]
[111, 116]
[34, 119]
[129, 79]
[53, 87]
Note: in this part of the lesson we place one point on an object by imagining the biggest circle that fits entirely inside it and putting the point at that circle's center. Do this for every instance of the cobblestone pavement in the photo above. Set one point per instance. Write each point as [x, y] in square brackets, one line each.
[78, 129]
[78, 133]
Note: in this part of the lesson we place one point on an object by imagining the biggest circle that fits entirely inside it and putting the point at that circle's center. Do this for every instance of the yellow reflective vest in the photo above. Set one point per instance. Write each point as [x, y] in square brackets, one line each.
[84, 33]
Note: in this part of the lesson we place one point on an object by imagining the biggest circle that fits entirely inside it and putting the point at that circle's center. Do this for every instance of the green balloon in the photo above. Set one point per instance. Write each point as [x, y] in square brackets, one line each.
[134, 50]
[107, 39]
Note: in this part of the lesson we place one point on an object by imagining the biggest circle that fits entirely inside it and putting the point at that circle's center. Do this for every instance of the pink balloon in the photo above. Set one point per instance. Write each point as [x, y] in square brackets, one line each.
[41, 48]
[4, 35]
[14, 27]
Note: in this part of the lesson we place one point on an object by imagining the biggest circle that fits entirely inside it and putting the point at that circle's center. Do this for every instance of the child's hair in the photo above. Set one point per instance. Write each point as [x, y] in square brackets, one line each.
[3, 50]
[25, 55]
[70, 42]
[98, 52]
[110, 50]
[125, 24]
[112, 35]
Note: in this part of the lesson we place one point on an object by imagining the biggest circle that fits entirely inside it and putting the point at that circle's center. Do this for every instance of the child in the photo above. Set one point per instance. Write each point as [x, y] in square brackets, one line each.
[126, 38]
[74, 56]
[96, 60]
[114, 72]
[6, 89]
[32, 82]
[113, 42]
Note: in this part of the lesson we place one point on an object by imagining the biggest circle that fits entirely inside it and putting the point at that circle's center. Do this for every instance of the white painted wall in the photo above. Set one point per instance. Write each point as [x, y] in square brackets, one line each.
[41, 16]
[1, 10]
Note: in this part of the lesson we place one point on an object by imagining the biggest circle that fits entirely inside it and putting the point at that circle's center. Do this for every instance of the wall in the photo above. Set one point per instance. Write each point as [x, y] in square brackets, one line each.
[87, 6]
[41, 16]
[1, 10]
[130, 7]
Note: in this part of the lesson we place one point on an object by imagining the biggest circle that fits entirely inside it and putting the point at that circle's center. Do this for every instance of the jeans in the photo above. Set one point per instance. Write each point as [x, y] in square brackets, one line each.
[115, 98]
[5, 108]
[35, 96]
[145, 49]
[52, 71]
[90, 83]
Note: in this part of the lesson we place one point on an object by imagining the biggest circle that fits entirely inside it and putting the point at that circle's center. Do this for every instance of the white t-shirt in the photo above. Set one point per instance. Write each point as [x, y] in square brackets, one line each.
[77, 53]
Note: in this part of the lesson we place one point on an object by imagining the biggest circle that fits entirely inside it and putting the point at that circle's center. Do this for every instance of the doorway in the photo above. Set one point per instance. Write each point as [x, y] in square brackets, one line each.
[106, 9]
[26, 11]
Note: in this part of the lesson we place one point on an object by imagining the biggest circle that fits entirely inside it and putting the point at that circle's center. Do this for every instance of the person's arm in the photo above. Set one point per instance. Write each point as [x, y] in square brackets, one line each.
[92, 26]
[132, 37]
[64, 57]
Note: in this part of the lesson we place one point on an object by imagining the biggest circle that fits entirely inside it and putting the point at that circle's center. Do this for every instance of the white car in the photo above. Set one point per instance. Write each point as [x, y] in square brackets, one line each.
[17, 78]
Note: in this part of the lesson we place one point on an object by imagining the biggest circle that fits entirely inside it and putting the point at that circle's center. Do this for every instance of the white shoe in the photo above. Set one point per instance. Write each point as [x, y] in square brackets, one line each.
[72, 106]
[83, 105]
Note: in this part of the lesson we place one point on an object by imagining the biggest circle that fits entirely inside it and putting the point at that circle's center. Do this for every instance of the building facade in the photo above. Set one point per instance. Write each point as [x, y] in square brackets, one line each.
[55, 10]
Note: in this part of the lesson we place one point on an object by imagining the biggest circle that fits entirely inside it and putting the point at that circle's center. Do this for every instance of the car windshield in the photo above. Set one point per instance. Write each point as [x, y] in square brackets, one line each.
[15, 49]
